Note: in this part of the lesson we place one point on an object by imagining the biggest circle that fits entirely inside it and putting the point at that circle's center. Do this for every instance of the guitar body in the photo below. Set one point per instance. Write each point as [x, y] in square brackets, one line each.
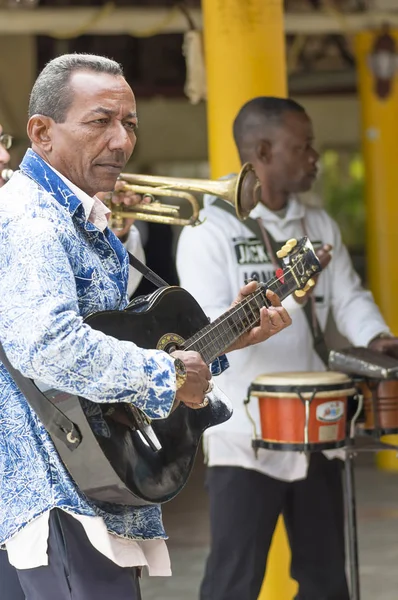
[143, 475]
[128, 460]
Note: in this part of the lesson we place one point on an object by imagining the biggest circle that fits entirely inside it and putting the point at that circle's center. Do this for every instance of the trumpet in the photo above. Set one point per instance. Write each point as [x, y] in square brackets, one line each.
[243, 191]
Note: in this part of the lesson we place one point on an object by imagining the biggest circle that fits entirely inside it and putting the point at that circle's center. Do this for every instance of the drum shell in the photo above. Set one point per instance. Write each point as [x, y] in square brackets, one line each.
[380, 405]
[283, 415]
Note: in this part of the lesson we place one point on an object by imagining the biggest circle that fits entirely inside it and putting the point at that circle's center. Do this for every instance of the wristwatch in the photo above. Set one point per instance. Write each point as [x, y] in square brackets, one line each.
[181, 372]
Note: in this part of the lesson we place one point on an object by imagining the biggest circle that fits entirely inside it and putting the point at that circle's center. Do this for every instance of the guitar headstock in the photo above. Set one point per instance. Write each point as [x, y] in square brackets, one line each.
[300, 260]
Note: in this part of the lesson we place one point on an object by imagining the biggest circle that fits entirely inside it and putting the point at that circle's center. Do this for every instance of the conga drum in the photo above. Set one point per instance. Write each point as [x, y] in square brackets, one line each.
[304, 411]
[380, 403]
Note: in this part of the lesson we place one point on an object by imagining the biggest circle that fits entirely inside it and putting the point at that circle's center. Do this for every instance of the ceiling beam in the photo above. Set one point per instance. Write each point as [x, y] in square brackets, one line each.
[70, 22]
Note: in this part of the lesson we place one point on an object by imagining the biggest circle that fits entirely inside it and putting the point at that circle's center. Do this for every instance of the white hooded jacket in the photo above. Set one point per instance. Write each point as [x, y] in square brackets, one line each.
[213, 262]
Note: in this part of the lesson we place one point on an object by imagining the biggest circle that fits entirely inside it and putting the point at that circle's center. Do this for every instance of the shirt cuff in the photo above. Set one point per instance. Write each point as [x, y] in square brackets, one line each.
[220, 365]
[158, 397]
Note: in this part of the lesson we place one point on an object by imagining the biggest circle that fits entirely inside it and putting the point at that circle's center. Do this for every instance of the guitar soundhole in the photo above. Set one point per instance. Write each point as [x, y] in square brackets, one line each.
[169, 342]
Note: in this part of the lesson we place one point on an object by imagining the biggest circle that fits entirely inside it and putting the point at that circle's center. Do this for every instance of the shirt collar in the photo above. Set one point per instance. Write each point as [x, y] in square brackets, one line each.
[295, 210]
[95, 211]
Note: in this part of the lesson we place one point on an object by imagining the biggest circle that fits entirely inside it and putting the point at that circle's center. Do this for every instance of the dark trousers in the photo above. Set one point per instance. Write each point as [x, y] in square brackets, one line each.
[10, 588]
[76, 569]
[244, 509]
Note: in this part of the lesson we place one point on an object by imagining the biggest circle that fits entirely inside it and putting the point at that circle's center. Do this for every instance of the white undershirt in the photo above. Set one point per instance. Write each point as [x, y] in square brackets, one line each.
[28, 548]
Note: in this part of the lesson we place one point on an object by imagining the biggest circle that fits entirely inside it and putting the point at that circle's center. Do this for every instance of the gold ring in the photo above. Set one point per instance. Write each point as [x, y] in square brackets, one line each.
[203, 404]
[209, 387]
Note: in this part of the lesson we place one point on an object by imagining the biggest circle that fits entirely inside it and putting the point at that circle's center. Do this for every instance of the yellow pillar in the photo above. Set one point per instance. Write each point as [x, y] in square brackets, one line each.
[245, 57]
[380, 148]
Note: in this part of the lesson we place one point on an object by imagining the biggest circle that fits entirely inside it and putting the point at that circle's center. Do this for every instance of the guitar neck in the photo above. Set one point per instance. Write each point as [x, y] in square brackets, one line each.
[214, 339]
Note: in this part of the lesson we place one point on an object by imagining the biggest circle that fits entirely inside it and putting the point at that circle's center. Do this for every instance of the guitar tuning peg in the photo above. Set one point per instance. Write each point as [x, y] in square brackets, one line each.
[291, 244]
[310, 284]
[282, 252]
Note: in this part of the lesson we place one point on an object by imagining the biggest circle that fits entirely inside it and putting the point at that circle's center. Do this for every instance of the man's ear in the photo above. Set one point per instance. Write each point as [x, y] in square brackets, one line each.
[39, 131]
[264, 151]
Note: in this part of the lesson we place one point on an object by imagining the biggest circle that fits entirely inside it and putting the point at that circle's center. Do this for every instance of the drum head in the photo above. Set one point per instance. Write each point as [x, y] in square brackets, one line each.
[304, 382]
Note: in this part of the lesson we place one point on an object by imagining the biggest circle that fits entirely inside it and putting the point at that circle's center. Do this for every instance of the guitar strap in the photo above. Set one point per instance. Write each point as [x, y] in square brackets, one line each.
[147, 272]
[319, 342]
[53, 419]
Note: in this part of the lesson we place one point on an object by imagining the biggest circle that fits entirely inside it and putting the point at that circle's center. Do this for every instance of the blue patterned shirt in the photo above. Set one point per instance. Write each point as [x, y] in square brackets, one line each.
[55, 269]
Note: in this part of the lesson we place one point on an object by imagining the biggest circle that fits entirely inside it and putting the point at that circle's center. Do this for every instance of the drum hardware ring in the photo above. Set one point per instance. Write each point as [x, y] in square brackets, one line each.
[359, 398]
[246, 402]
[306, 402]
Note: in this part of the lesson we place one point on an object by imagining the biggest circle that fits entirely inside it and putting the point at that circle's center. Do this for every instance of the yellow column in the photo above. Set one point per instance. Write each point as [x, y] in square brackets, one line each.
[15, 89]
[245, 57]
[380, 148]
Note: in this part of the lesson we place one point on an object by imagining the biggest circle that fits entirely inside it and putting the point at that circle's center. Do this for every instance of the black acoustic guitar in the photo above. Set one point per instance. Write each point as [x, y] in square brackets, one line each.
[140, 462]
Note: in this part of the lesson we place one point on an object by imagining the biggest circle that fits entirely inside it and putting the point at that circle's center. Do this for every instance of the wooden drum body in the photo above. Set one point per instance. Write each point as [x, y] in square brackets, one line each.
[305, 411]
[380, 406]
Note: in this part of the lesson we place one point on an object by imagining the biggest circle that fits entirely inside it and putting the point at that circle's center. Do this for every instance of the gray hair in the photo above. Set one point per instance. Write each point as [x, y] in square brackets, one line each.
[51, 95]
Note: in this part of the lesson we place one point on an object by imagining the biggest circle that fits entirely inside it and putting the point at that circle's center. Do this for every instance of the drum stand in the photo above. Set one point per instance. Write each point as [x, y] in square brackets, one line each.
[352, 534]
[350, 503]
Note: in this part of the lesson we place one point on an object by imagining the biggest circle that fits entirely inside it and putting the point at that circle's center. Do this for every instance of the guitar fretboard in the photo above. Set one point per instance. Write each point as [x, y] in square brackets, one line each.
[218, 336]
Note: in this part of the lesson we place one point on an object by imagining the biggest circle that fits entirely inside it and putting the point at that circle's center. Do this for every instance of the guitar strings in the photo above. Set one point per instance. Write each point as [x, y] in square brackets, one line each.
[234, 311]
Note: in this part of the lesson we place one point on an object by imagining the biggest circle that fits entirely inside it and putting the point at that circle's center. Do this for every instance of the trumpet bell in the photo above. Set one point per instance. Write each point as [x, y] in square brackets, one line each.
[247, 192]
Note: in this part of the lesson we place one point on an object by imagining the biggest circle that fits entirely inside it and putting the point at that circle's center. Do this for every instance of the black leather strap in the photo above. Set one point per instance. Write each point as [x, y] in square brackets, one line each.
[53, 419]
[147, 272]
[320, 346]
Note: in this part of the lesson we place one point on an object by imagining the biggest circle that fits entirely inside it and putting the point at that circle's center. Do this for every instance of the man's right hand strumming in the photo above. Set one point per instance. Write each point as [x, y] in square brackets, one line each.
[194, 376]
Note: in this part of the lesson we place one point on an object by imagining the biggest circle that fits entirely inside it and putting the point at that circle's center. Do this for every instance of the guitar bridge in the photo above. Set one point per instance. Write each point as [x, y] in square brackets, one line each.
[144, 428]
[134, 419]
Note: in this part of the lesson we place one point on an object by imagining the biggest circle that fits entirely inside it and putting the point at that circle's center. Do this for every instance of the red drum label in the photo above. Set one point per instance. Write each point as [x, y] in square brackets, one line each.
[330, 411]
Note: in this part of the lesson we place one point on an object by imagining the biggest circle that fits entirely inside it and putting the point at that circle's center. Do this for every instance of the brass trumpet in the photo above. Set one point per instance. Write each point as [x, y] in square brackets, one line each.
[242, 191]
